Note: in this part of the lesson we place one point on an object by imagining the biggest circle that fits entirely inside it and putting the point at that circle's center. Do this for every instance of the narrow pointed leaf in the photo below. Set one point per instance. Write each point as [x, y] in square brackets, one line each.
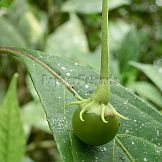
[12, 138]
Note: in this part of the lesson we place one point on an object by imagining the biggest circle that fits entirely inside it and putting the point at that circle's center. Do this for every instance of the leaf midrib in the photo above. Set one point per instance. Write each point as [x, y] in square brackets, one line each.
[128, 154]
[67, 120]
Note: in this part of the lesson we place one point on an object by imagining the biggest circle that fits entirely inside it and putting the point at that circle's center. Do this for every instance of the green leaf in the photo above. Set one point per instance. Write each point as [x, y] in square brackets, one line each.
[32, 89]
[147, 91]
[87, 7]
[9, 36]
[153, 72]
[33, 116]
[59, 44]
[12, 138]
[24, 19]
[143, 129]
[122, 35]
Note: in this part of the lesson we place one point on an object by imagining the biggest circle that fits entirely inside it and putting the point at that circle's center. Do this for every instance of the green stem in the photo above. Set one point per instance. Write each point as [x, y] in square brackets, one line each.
[103, 90]
[104, 53]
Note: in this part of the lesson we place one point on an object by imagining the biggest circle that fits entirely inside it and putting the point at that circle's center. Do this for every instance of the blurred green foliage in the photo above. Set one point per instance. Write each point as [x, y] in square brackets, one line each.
[72, 29]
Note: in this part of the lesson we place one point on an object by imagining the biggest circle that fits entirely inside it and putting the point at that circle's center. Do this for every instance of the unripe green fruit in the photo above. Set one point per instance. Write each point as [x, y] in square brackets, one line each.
[93, 131]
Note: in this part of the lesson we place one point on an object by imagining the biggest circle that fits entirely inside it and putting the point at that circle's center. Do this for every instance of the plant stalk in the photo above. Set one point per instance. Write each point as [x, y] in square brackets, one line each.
[104, 53]
[102, 94]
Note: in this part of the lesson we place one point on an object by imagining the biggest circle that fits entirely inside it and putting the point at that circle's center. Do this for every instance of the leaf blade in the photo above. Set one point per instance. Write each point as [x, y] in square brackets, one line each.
[152, 72]
[12, 137]
[89, 7]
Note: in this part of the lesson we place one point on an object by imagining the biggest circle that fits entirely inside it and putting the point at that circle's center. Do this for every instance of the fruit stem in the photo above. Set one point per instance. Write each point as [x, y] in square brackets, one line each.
[103, 90]
[104, 52]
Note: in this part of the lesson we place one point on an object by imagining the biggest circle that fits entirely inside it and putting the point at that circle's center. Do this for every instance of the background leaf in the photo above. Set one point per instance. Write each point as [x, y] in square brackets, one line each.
[10, 35]
[143, 130]
[33, 116]
[153, 72]
[12, 138]
[89, 7]
[24, 19]
[122, 35]
[147, 91]
[74, 42]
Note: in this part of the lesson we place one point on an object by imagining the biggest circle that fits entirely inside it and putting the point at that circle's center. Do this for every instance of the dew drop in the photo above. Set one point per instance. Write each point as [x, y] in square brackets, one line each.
[145, 159]
[59, 97]
[125, 102]
[159, 144]
[104, 148]
[76, 63]
[57, 83]
[68, 74]
[127, 131]
[63, 68]
[132, 143]
[158, 151]
[157, 132]
[86, 86]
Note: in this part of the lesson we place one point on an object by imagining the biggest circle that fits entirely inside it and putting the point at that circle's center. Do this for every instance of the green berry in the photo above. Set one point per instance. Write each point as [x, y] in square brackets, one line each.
[93, 131]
